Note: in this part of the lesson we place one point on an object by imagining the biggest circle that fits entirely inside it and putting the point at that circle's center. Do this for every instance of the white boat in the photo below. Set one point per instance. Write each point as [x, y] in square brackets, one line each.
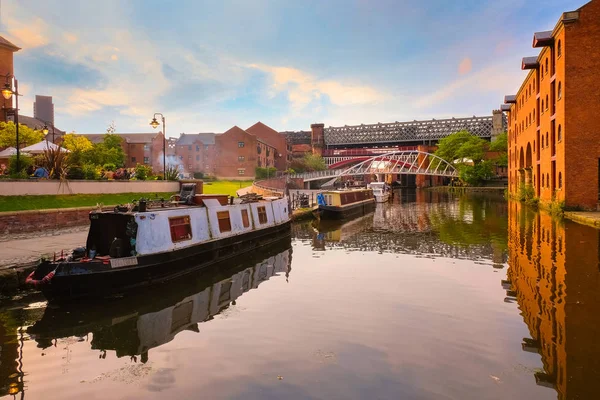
[380, 191]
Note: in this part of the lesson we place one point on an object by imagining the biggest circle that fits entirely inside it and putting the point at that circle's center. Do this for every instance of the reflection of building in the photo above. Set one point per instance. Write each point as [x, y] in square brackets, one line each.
[553, 118]
[553, 274]
[136, 329]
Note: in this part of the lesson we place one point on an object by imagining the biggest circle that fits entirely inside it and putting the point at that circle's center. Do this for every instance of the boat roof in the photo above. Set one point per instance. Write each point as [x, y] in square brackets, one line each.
[345, 190]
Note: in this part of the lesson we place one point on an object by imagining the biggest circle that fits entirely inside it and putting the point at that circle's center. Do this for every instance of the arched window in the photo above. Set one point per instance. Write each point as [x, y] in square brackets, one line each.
[542, 141]
[534, 146]
[559, 48]
[559, 90]
[546, 63]
[534, 85]
[542, 105]
[547, 142]
[534, 115]
[560, 180]
[542, 74]
[547, 103]
[559, 133]
[547, 179]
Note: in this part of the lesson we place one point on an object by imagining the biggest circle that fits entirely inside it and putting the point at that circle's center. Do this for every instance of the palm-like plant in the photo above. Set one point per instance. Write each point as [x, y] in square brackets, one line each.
[172, 173]
[56, 161]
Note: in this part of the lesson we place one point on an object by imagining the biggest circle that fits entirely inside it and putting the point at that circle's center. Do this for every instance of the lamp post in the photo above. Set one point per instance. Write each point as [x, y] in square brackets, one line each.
[7, 93]
[154, 123]
[45, 129]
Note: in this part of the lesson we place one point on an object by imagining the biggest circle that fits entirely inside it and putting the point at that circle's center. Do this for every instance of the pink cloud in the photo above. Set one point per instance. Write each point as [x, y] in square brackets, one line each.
[465, 66]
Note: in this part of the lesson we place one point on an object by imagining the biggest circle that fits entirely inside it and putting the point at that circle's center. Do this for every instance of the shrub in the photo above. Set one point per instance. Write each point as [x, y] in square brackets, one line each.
[197, 175]
[56, 162]
[110, 167]
[24, 163]
[143, 172]
[90, 172]
[75, 172]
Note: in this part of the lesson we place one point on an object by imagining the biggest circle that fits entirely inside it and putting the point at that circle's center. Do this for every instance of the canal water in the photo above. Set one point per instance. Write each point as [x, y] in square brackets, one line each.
[430, 297]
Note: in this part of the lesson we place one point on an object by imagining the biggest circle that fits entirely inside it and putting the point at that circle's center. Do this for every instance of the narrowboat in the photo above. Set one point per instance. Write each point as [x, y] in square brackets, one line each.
[153, 242]
[380, 191]
[345, 204]
[132, 326]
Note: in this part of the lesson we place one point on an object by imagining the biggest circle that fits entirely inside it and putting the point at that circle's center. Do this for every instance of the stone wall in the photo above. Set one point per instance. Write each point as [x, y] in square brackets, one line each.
[38, 220]
[52, 187]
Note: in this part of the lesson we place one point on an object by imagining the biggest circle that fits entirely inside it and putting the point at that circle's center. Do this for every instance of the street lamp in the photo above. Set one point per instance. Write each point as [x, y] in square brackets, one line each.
[154, 123]
[45, 128]
[7, 93]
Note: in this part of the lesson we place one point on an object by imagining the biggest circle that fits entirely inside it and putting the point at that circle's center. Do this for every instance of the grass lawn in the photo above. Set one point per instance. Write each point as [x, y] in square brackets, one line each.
[19, 203]
[225, 187]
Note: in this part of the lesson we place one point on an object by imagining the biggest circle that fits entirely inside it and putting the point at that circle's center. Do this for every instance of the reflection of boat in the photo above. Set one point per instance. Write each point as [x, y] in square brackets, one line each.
[338, 231]
[380, 191]
[344, 204]
[133, 325]
[131, 248]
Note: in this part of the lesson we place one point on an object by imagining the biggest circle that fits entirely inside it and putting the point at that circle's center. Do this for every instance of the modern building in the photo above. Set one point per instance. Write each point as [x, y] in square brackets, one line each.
[554, 144]
[7, 50]
[139, 148]
[43, 109]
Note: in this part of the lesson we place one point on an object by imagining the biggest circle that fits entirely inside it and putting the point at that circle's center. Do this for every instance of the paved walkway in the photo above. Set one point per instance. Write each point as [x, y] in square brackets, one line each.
[591, 218]
[27, 248]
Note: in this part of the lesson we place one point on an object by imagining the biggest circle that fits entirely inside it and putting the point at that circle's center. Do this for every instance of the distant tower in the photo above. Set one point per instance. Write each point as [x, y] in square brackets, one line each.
[317, 138]
[497, 123]
[43, 109]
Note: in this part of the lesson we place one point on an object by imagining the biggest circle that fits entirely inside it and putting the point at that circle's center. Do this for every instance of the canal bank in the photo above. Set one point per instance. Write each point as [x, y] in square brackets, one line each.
[591, 218]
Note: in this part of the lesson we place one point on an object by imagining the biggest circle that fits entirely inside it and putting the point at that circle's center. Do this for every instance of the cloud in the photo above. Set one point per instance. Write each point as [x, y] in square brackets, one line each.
[465, 66]
[303, 88]
[27, 35]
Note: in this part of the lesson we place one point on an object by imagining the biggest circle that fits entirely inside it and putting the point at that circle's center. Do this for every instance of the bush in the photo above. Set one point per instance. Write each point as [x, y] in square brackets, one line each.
[75, 172]
[265, 173]
[110, 167]
[90, 172]
[197, 175]
[143, 172]
[24, 163]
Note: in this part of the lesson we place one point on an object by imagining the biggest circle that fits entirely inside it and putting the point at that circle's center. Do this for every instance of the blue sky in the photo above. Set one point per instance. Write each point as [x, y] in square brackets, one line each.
[210, 65]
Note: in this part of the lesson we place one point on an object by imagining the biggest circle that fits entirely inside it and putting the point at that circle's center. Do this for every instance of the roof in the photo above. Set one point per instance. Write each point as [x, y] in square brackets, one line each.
[187, 139]
[298, 137]
[127, 137]
[7, 44]
[35, 123]
[541, 39]
[266, 134]
[412, 131]
[505, 107]
[510, 98]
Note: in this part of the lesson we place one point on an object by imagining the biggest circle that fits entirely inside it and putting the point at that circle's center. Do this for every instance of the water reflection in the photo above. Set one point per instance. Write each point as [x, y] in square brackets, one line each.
[427, 224]
[554, 276]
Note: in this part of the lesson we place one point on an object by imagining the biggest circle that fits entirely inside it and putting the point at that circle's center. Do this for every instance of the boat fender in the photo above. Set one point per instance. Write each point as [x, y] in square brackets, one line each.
[40, 282]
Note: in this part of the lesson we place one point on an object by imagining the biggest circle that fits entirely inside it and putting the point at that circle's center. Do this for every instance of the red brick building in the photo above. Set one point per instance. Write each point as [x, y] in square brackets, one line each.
[270, 137]
[196, 153]
[7, 50]
[139, 148]
[554, 143]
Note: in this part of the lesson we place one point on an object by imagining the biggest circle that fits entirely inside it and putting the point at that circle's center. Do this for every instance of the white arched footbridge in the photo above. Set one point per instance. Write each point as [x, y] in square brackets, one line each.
[410, 162]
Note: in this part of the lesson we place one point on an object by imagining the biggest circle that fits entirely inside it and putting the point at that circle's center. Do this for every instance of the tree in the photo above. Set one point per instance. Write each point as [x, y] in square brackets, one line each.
[27, 136]
[500, 145]
[109, 151]
[462, 147]
[314, 162]
[80, 147]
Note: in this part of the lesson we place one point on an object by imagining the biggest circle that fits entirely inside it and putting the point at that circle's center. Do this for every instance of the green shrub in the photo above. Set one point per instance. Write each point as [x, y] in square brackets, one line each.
[557, 207]
[75, 172]
[110, 167]
[143, 172]
[24, 163]
[197, 175]
[265, 173]
[90, 172]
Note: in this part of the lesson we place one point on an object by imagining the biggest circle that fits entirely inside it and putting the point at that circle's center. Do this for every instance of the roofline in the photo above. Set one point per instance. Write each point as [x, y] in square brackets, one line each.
[9, 45]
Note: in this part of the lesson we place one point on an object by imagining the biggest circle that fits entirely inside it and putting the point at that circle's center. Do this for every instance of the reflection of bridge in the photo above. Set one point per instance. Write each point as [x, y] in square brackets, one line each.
[407, 162]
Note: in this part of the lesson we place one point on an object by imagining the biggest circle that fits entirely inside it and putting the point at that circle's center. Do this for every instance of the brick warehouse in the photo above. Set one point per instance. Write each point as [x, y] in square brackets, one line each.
[553, 130]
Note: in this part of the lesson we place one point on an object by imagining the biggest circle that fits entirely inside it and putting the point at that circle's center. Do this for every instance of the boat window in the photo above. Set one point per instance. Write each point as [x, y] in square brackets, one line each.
[245, 219]
[262, 215]
[181, 229]
[181, 316]
[224, 221]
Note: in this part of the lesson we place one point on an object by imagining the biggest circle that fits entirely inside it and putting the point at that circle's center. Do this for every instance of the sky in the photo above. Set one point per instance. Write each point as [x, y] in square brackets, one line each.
[210, 65]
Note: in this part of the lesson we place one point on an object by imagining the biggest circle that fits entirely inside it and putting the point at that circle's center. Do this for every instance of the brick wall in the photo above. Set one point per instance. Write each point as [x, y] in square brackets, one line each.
[6, 67]
[30, 221]
[274, 139]
[235, 162]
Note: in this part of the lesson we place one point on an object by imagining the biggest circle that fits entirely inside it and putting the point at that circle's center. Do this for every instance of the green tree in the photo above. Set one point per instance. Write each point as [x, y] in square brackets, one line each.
[27, 136]
[500, 145]
[80, 147]
[462, 146]
[108, 152]
[314, 162]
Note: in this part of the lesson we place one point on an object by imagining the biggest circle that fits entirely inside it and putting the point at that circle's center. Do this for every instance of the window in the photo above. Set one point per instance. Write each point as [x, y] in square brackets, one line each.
[534, 85]
[146, 147]
[190, 147]
[542, 106]
[133, 159]
[547, 180]
[262, 215]
[546, 65]
[547, 103]
[180, 228]
[559, 49]
[241, 158]
[245, 219]
[559, 133]
[547, 142]
[224, 221]
[181, 157]
[560, 180]
[542, 141]
[534, 146]
[197, 148]
[241, 144]
[559, 90]
[189, 167]
[542, 74]
[197, 158]
[241, 171]
[146, 160]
